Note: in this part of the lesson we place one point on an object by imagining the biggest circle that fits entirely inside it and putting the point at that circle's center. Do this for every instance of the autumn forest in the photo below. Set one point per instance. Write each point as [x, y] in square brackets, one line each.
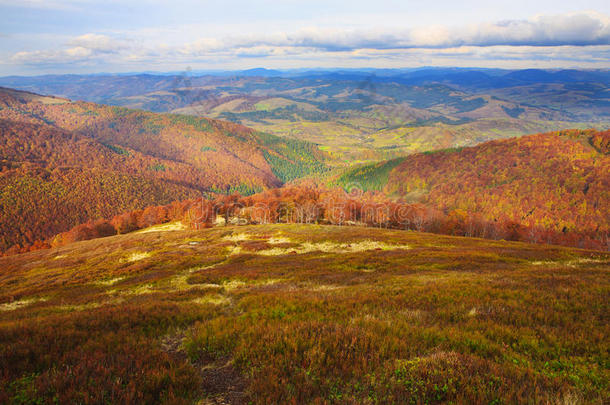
[69, 163]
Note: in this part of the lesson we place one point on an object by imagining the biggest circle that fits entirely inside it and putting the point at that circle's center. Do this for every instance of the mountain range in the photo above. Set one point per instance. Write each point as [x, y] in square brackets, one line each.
[360, 115]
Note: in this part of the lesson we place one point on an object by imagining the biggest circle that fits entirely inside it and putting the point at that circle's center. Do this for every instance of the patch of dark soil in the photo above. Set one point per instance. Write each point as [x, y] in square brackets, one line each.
[221, 382]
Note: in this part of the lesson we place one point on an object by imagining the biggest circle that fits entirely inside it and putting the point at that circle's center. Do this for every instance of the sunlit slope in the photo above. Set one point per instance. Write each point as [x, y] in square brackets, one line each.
[287, 313]
[228, 154]
[63, 163]
[557, 180]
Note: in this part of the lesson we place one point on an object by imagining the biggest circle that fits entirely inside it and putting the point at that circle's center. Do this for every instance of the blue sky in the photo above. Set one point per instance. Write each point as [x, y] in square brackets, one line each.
[85, 36]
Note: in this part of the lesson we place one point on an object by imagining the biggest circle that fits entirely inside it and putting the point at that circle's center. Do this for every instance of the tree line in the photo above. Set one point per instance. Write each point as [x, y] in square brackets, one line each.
[309, 203]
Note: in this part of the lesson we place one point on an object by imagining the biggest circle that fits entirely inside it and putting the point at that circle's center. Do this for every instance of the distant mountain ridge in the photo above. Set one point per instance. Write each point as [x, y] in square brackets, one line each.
[362, 115]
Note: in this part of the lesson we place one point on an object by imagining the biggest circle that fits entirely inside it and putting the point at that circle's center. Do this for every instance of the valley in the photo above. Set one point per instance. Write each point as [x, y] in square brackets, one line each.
[360, 116]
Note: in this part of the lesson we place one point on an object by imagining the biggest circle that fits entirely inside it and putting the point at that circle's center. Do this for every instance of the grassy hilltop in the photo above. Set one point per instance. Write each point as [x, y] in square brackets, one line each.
[303, 314]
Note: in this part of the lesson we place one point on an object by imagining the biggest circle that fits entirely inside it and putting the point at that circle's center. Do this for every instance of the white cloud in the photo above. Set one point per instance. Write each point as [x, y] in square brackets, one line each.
[583, 29]
[561, 39]
[74, 54]
[99, 43]
[78, 49]
[570, 29]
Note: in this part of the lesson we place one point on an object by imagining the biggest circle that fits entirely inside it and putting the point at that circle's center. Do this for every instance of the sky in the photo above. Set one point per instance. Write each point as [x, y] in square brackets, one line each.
[112, 36]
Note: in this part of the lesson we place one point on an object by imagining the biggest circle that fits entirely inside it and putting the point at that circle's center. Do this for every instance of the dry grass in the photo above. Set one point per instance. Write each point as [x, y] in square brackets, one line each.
[134, 257]
[168, 227]
[237, 237]
[326, 247]
[110, 281]
[354, 315]
[11, 306]
[213, 299]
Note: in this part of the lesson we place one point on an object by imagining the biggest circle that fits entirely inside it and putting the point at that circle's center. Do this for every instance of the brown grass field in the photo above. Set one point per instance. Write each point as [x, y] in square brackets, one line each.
[304, 314]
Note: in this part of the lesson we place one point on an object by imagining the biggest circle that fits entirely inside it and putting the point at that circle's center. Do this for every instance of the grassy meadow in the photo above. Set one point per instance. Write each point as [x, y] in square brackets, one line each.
[304, 314]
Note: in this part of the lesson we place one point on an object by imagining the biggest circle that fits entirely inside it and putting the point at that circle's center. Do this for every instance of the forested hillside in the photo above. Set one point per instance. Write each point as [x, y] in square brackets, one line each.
[558, 181]
[64, 162]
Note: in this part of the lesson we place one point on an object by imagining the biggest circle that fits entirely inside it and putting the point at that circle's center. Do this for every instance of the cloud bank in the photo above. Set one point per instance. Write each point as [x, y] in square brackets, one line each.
[576, 29]
[550, 38]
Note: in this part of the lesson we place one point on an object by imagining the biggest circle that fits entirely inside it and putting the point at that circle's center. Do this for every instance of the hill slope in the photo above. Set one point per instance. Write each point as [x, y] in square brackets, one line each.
[287, 313]
[362, 115]
[559, 181]
[66, 162]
